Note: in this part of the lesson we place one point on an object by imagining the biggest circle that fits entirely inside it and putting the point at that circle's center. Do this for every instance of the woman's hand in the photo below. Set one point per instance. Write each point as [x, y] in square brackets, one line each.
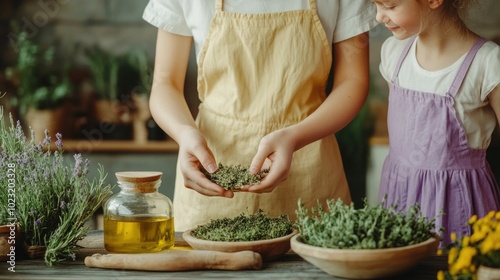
[193, 154]
[275, 153]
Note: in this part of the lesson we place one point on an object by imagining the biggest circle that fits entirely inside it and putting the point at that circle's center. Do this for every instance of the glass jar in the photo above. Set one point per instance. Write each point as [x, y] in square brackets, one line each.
[138, 219]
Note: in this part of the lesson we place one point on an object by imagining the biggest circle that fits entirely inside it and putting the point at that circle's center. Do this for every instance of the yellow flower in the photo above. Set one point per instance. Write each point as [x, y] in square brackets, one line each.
[470, 252]
[490, 215]
[472, 219]
[452, 255]
[465, 241]
[453, 236]
[464, 260]
[440, 275]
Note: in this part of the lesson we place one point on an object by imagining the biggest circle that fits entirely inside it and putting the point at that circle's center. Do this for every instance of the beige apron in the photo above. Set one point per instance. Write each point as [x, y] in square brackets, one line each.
[259, 73]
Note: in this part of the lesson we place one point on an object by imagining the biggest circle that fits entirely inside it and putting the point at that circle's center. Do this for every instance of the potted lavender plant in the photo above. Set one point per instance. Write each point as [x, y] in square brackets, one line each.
[49, 200]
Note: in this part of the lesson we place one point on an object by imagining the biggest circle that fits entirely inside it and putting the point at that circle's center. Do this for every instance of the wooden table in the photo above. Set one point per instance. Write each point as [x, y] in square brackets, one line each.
[290, 266]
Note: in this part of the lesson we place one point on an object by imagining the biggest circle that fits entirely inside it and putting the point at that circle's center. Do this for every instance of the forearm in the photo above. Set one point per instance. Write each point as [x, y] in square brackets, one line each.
[170, 111]
[351, 85]
[167, 103]
[335, 113]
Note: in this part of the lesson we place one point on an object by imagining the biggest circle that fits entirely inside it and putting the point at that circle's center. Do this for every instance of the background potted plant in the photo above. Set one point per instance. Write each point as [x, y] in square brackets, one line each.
[43, 87]
[121, 87]
[50, 200]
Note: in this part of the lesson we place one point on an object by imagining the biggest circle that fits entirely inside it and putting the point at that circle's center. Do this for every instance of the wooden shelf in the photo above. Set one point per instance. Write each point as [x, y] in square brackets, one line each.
[119, 146]
[378, 141]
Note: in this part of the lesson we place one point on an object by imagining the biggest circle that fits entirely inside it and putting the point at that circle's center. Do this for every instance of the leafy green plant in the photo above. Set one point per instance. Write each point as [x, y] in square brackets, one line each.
[371, 227]
[107, 68]
[50, 200]
[258, 226]
[104, 67]
[41, 83]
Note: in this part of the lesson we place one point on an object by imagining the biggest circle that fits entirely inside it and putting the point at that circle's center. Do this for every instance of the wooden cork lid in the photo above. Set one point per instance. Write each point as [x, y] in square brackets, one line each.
[138, 176]
[140, 181]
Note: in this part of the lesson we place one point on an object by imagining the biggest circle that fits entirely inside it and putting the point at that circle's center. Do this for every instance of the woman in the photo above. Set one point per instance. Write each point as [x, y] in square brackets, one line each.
[262, 71]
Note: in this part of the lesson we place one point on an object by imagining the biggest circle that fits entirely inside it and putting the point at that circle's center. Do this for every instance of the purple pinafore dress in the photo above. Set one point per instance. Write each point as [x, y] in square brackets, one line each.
[430, 161]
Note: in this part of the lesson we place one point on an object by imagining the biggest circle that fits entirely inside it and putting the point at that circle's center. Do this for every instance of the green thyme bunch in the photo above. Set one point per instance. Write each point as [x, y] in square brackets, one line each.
[234, 177]
[371, 227]
[258, 226]
[49, 199]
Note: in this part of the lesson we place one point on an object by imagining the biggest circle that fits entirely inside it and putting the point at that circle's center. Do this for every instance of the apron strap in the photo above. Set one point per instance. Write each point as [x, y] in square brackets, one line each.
[404, 53]
[218, 5]
[462, 71]
[312, 5]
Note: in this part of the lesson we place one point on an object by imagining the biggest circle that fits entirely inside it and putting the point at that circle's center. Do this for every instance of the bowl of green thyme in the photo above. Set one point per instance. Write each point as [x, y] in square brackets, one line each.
[367, 243]
[258, 232]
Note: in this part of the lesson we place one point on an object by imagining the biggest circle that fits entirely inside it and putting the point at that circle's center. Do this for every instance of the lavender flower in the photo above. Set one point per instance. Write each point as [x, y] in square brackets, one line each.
[47, 139]
[86, 167]
[77, 170]
[59, 143]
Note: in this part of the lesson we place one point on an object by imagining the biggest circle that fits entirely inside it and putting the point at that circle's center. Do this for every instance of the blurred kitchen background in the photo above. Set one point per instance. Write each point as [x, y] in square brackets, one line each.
[90, 65]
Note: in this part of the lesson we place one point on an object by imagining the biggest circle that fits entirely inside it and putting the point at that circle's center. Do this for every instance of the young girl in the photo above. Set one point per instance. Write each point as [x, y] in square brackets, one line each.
[444, 104]
[262, 72]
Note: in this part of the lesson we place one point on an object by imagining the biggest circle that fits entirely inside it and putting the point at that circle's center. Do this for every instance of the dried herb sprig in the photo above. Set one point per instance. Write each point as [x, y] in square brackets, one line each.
[234, 177]
[258, 226]
[371, 227]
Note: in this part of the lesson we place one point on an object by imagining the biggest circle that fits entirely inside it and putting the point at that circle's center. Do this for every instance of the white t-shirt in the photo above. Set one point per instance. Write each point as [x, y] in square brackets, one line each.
[341, 19]
[471, 101]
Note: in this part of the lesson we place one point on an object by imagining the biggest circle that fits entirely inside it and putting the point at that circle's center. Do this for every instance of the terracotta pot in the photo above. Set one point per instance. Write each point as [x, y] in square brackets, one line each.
[110, 111]
[53, 120]
[488, 273]
[36, 251]
[11, 243]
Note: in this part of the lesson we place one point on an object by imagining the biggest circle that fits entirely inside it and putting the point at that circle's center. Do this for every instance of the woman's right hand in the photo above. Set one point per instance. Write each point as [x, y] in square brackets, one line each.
[194, 153]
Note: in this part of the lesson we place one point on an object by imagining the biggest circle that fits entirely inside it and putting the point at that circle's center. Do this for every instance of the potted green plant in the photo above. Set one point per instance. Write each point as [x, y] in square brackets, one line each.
[49, 200]
[43, 87]
[120, 85]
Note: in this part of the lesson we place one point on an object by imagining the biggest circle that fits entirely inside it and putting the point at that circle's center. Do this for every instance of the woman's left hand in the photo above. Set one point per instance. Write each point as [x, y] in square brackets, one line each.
[274, 153]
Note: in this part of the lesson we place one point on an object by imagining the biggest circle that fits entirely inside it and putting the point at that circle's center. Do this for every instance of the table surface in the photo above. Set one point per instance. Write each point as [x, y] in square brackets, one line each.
[290, 266]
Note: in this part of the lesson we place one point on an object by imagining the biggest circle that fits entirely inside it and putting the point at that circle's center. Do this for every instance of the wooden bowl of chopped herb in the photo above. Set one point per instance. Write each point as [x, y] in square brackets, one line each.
[368, 243]
[268, 236]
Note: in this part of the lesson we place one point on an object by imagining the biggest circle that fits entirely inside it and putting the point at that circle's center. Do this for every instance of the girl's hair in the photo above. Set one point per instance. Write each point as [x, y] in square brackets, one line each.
[456, 14]
[460, 8]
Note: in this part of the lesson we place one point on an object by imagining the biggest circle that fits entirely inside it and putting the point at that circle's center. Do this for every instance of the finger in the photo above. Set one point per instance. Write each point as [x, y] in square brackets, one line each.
[258, 161]
[276, 175]
[206, 187]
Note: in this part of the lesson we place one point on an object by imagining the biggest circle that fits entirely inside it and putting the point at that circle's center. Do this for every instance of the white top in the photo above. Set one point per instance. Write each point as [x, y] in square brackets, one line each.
[341, 19]
[471, 101]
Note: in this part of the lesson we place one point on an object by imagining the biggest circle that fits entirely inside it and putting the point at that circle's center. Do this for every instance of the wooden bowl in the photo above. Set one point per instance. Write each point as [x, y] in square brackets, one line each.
[269, 249]
[364, 263]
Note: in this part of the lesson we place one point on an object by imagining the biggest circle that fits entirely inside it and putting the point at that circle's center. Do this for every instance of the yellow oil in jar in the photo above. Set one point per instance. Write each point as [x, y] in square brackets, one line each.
[138, 235]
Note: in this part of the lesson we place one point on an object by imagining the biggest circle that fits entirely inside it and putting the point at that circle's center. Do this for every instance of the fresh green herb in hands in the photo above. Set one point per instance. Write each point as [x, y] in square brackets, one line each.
[259, 226]
[372, 227]
[234, 177]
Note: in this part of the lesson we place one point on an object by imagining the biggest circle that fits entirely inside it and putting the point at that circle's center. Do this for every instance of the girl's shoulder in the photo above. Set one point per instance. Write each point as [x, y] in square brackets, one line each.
[490, 50]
